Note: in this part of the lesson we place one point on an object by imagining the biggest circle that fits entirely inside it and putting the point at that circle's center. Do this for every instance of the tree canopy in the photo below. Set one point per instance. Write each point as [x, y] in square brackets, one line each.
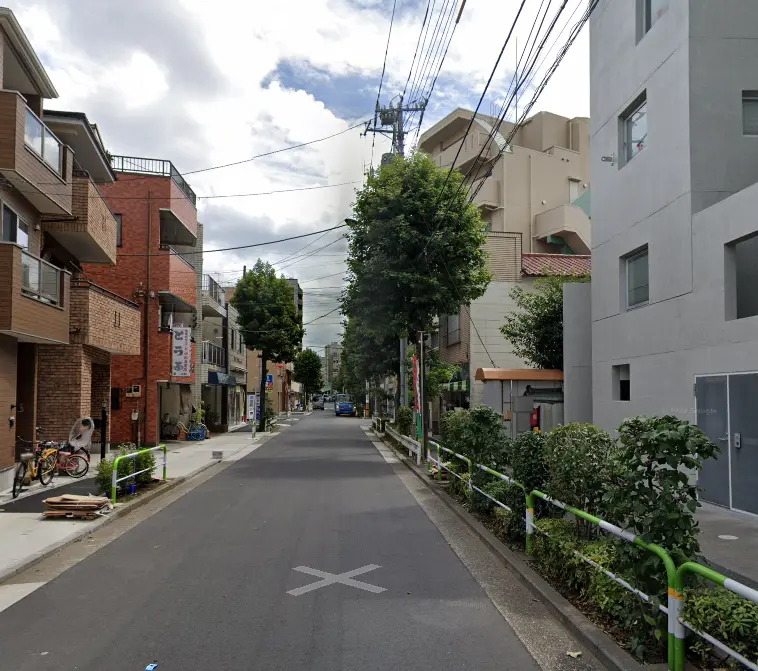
[415, 251]
[536, 330]
[308, 371]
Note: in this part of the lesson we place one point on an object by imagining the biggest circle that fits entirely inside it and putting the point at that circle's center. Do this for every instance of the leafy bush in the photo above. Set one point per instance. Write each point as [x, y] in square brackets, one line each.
[454, 430]
[578, 461]
[104, 475]
[554, 548]
[651, 495]
[404, 420]
[725, 616]
[610, 597]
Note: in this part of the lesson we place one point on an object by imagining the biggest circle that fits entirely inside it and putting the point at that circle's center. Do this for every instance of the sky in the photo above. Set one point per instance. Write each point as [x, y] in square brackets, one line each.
[205, 83]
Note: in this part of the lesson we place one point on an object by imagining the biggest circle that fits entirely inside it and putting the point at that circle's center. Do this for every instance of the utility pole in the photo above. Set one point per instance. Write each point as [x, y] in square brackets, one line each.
[422, 394]
[393, 117]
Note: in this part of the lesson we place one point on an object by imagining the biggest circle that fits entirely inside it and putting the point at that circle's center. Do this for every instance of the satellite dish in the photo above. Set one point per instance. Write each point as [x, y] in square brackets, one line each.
[81, 433]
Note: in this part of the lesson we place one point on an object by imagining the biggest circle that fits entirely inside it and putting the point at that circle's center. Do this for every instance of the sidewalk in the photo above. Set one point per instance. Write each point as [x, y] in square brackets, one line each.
[729, 541]
[27, 536]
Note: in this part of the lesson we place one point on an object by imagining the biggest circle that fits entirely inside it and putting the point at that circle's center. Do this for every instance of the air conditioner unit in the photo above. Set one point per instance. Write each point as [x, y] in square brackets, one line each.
[135, 391]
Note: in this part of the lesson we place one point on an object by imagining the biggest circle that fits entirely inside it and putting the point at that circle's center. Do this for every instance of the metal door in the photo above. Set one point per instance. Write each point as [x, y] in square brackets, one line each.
[713, 419]
[743, 428]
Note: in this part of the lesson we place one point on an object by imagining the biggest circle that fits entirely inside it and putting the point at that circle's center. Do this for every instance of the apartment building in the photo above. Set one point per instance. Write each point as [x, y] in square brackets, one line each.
[333, 361]
[675, 177]
[58, 327]
[536, 205]
[156, 211]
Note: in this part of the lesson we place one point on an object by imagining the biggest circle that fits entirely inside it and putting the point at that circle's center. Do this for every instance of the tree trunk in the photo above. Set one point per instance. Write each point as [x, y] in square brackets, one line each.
[262, 394]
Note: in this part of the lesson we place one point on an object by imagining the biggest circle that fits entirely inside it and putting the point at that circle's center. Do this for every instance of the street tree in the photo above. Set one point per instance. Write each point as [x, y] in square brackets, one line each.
[535, 330]
[308, 371]
[415, 249]
[269, 320]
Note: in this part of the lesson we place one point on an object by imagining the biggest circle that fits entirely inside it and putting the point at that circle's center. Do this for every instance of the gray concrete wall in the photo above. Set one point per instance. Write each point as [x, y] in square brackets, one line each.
[688, 194]
[577, 352]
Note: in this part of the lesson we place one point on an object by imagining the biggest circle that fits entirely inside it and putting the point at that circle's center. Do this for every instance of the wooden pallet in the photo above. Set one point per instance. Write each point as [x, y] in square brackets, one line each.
[74, 506]
[71, 514]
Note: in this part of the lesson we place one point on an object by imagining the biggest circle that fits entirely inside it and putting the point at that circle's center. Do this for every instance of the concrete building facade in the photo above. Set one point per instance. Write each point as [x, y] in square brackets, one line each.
[674, 169]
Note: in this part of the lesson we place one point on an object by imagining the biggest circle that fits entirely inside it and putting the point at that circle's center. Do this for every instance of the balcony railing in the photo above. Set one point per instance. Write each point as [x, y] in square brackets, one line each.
[153, 166]
[42, 141]
[40, 279]
[213, 354]
[214, 290]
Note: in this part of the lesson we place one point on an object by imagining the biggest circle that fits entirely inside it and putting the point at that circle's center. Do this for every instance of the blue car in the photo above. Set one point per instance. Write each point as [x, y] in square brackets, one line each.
[343, 405]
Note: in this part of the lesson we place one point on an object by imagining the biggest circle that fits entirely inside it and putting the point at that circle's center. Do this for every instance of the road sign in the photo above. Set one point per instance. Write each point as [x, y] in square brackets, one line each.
[269, 383]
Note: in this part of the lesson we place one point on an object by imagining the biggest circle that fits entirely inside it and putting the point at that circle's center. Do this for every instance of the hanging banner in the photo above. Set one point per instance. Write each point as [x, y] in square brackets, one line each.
[416, 386]
[181, 362]
[269, 383]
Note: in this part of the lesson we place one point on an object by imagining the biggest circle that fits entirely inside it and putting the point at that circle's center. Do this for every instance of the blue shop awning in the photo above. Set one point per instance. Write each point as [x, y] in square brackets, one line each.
[221, 378]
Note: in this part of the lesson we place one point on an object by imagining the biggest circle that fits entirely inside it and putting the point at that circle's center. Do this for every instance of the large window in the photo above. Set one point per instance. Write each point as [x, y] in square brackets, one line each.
[621, 383]
[650, 12]
[119, 229]
[637, 279]
[453, 329]
[15, 229]
[634, 123]
[740, 277]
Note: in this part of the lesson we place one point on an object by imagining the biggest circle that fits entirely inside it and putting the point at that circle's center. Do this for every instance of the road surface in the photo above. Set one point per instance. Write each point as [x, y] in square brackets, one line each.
[308, 554]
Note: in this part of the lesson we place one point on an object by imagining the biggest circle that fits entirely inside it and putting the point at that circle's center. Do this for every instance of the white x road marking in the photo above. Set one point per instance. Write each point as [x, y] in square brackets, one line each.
[337, 578]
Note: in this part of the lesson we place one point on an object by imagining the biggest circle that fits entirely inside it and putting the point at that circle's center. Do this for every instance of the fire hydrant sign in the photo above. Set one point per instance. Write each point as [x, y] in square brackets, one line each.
[181, 352]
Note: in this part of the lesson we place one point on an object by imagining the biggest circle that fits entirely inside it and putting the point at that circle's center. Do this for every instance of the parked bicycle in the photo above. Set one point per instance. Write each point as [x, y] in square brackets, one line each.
[72, 457]
[39, 459]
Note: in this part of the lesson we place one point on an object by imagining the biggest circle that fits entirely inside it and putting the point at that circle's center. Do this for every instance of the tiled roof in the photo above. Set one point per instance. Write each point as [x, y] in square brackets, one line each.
[536, 265]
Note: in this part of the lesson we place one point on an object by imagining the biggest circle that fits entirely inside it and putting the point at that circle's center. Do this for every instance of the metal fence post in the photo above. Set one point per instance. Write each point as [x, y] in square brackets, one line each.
[103, 429]
[529, 523]
[165, 460]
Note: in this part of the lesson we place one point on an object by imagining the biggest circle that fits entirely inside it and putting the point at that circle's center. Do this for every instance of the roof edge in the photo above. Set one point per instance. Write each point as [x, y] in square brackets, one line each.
[21, 43]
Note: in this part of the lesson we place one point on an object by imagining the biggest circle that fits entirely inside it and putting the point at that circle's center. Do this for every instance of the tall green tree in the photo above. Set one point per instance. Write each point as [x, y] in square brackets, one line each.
[535, 330]
[308, 371]
[415, 248]
[269, 319]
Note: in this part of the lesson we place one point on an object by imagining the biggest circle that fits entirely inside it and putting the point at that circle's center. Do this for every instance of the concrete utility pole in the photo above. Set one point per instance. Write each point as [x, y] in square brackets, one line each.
[393, 117]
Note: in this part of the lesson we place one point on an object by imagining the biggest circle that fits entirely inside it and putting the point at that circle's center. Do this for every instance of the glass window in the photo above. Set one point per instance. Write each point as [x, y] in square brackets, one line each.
[637, 286]
[635, 127]
[33, 132]
[119, 233]
[750, 112]
[52, 151]
[22, 234]
[453, 329]
[654, 10]
[9, 224]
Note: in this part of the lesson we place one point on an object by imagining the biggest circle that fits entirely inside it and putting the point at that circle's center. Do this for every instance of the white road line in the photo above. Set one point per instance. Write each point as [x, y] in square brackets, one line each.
[337, 578]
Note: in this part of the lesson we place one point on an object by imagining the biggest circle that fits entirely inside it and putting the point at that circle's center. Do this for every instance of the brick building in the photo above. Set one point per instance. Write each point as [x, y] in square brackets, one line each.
[157, 251]
[58, 327]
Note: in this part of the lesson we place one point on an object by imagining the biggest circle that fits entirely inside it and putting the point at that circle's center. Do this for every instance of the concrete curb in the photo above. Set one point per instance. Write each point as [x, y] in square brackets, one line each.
[125, 509]
[592, 637]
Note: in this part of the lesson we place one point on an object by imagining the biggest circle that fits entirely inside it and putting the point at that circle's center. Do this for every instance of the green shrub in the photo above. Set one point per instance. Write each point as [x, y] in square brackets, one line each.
[578, 461]
[651, 495]
[454, 429]
[610, 597]
[554, 549]
[404, 420]
[725, 616]
[104, 475]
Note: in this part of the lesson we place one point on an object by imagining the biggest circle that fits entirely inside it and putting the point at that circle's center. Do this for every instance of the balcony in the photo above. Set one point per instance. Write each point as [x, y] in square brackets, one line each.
[504, 255]
[177, 202]
[488, 196]
[90, 235]
[214, 298]
[176, 282]
[34, 304]
[213, 355]
[104, 320]
[472, 146]
[568, 223]
[32, 158]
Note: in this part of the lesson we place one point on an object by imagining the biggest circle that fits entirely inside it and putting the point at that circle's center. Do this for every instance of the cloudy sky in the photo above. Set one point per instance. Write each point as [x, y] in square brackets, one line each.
[204, 83]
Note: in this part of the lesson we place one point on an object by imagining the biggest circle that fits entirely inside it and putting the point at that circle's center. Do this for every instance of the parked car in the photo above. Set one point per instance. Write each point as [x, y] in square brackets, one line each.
[318, 402]
[344, 405]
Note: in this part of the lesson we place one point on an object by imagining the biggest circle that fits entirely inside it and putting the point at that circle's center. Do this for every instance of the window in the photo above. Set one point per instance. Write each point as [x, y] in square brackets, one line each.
[119, 232]
[15, 229]
[740, 277]
[232, 341]
[649, 12]
[637, 279]
[635, 129]
[453, 329]
[621, 389]
[750, 112]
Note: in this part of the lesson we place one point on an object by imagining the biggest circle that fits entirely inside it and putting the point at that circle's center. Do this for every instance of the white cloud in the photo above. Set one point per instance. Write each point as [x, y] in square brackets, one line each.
[225, 114]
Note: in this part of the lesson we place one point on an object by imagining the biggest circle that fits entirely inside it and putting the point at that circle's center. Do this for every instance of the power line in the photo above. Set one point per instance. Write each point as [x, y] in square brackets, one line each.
[228, 249]
[421, 32]
[381, 79]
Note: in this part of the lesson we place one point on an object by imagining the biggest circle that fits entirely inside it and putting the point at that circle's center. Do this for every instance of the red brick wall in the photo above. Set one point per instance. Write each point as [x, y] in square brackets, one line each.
[26, 421]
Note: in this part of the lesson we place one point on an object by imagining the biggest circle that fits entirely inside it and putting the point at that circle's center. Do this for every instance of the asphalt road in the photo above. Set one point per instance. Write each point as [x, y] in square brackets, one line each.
[205, 582]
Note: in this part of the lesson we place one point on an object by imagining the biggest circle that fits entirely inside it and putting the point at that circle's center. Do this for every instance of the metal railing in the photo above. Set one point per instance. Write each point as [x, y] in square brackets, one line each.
[133, 455]
[413, 446]
[213, 354]
[42, 141]
[40, 280]
[153, 166]
[214, 290]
